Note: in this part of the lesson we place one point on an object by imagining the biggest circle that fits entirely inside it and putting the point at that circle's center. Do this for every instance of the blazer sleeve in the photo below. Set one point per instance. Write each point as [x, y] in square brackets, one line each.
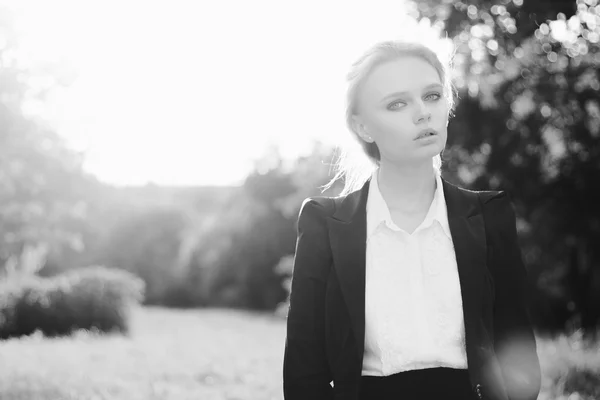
[306, 374]
[514, 340]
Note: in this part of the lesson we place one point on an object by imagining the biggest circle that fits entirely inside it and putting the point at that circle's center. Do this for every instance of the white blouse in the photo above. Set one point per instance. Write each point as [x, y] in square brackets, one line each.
[413, 304]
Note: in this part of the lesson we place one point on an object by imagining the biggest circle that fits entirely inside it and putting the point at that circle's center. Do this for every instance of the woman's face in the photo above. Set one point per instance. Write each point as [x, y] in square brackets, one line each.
[399, 100]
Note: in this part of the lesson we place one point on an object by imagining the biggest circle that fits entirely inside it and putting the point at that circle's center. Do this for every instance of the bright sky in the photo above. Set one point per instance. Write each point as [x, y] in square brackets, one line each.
[189, 92]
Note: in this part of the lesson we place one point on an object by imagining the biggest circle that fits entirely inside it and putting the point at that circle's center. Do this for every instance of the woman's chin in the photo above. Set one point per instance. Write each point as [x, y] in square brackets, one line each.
[430, 150]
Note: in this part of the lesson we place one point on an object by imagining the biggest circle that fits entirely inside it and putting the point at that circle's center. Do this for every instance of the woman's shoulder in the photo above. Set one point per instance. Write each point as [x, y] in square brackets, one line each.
[484, 195]
[495, 204]
[488, 195]
[324, 205]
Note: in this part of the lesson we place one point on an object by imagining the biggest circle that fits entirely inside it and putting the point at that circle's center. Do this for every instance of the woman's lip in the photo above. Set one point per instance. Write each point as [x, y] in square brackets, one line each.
[424, 134]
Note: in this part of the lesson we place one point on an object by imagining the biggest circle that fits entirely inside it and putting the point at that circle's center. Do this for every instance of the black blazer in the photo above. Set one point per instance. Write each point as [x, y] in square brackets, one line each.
[326, 319]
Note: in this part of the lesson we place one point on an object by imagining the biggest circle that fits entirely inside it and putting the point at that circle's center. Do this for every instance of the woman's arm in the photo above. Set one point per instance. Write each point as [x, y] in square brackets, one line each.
[306, 374]
[514, 340]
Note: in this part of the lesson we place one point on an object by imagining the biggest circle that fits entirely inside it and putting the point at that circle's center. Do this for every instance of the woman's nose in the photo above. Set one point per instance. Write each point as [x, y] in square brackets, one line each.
[422, 113]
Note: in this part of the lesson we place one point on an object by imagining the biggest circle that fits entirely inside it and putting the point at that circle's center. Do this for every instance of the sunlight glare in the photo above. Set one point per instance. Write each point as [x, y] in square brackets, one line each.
[188, 93]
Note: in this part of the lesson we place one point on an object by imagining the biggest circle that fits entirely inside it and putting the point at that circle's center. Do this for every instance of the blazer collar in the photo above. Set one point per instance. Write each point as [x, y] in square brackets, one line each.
[347, 234]
[378, 212]
[355, 202]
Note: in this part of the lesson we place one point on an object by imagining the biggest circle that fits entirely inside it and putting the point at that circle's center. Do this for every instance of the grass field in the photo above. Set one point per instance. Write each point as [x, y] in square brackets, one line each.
[194, 354]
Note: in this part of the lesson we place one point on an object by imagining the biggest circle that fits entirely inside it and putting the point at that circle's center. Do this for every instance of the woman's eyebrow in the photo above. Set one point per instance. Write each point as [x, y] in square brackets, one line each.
[430, 86]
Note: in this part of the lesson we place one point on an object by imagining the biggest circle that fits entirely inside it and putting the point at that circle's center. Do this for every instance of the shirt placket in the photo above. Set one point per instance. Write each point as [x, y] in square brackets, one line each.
[418, 306]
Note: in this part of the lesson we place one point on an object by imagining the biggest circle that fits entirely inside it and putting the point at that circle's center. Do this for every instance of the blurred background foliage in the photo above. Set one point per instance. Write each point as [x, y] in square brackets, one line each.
[527, 121]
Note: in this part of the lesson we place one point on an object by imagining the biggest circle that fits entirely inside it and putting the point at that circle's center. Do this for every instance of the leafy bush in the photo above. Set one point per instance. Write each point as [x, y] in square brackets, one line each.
[9, 299]
[285, 267]
[93, 298]
[147, 243]
[570, 367]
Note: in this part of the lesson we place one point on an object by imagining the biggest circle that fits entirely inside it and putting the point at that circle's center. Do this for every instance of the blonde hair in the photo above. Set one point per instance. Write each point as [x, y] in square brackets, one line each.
[352, 165]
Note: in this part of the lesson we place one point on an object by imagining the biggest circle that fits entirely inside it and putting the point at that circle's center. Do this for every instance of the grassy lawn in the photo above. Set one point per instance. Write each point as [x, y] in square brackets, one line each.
[198, 354]
[192, 354]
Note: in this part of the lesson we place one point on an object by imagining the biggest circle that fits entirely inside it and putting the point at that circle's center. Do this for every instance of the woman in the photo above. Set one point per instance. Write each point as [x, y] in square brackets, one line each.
[406, 286]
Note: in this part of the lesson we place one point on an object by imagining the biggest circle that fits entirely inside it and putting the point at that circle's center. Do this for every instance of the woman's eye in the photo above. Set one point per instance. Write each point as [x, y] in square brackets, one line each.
[398, 104]
[437, 96]
[395, 105]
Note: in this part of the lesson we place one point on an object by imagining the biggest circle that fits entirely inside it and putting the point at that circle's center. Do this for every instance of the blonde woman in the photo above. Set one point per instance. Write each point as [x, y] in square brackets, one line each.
[406, 286]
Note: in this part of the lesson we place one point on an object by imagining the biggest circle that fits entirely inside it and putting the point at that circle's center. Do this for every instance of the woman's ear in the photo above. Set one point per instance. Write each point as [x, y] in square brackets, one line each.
[360, 129]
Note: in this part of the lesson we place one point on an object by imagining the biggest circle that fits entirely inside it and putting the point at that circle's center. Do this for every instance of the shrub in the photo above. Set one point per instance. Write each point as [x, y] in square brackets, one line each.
[285, 267]
[583, 381]
[93, 298]
[10, 295]
[570, 367]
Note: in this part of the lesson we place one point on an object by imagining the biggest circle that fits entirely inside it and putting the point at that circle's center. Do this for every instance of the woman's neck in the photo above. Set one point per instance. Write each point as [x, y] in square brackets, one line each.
[407, 188]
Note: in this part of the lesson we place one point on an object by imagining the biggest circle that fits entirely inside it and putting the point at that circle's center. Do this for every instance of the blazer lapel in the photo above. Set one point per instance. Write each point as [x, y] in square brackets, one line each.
[469, 238]
[348, 237]
[347, 234]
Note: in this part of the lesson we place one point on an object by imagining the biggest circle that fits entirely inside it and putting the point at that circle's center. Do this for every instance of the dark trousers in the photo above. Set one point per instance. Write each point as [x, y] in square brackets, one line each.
[421, 384]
